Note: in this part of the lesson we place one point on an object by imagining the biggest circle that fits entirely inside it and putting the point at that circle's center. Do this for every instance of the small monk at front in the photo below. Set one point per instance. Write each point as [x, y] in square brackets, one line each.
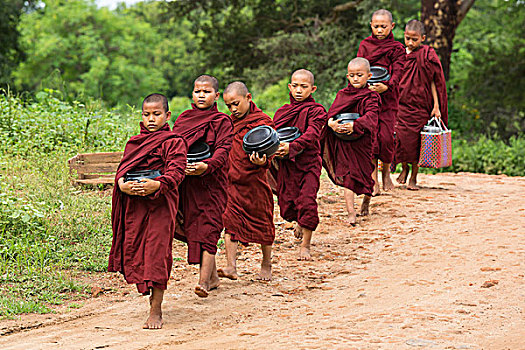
[349, 162]
[380, 49]
[144, 212]
[423, 95]
[249, 213]
[203, 192]
[297, 166]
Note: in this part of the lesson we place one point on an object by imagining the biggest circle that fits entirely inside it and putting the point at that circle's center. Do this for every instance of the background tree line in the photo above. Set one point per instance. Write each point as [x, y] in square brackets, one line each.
[86, 52]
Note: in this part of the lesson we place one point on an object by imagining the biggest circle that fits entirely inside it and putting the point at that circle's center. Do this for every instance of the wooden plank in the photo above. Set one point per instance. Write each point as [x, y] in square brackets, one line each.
[99, 181]
[95, 168]
[96, 176]
[96, 158]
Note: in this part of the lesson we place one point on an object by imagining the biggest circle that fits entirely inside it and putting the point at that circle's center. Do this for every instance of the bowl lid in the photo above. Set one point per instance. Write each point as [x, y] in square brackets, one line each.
[289, 133]
[378, 72]
[258, 136]
[347, 116]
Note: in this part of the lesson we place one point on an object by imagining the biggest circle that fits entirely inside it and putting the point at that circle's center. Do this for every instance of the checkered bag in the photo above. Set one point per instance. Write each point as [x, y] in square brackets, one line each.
[436, 145]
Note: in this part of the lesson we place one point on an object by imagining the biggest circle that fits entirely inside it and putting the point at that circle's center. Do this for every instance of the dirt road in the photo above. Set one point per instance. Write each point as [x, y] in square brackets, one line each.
[440, 268]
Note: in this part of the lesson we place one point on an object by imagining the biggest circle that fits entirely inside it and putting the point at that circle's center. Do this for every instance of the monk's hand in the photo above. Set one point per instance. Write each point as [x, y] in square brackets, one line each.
[255, 159]
[126, 187]
[196, 168]
[145, 187]
[436, 112]
[378, 87]
[284, 149]
[347, 128]
[333, 124]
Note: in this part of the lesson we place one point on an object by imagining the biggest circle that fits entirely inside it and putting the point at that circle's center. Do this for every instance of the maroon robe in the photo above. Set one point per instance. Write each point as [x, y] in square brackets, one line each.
[349, 163]
[297, 177]
[249, 213]
[416, 102]
[143, 227]
[389, 54]
[204, 197]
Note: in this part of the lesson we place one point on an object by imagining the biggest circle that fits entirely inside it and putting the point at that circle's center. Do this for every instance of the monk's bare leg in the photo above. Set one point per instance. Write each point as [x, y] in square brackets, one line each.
[412, 183]
[206, 270]
[388, 185]
[298, 231]
[377, 190]
[154, 320]
[402, 178]
[349, 199]
[214, 278]
[304, 250]
[266, 264]
[230, 271]
[365, 206]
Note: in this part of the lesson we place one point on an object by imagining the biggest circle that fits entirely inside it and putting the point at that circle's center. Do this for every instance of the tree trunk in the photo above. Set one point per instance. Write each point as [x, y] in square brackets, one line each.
[441, 18]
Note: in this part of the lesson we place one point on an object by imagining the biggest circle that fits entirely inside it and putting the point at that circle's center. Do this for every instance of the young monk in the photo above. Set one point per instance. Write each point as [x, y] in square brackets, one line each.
[203, 192]
[350, 163]
[144, 213]
[249, 213]
[297, 176]
[423, 95]
[380, 49]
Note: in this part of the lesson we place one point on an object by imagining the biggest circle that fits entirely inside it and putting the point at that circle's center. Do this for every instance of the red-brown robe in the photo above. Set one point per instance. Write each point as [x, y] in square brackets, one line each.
[297, 178]
[203, 198]
[249, 213]
[416, 102]
[349, 163]
[389, 54]
[143, 227]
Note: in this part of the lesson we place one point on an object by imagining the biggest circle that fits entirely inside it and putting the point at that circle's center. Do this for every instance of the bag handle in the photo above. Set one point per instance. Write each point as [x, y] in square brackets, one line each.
[438, 123]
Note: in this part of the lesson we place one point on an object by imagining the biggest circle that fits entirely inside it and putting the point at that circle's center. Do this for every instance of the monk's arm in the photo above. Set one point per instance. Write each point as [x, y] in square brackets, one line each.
[398, 62]
[223, 143]
[368, 121]
[435, 111]
[316, 120]
[174, 153]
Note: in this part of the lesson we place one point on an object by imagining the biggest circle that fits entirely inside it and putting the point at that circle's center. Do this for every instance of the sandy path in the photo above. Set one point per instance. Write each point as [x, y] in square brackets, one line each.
[408, 277]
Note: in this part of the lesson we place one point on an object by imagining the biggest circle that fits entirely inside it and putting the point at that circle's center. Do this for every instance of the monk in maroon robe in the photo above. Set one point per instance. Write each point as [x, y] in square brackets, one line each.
[423, 95]
[380, 49]
[144, 213]
[203, 191]
[297, 169]
[349, 163]
[249, 213]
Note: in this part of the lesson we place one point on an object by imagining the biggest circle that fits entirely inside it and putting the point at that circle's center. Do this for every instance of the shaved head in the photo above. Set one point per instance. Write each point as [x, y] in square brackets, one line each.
[304, 73]
[154, 98]
[359, 62]
[415, 26]
[236, 88]
[383, 12]
[208, 79]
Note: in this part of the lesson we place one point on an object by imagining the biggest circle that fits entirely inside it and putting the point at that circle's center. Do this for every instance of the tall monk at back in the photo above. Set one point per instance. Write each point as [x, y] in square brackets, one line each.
[203, 192]
[349, 162]
[144, 210]
[297, 166]
[423, 95]
[249, 212]
[380, 49]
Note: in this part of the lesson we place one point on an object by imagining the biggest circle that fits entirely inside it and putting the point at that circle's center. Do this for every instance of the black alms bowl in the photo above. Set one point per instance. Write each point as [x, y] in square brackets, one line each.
[262, 140]
[138, 175]
[379, 74]
[289, 134]
[198, 152]
[345, 118]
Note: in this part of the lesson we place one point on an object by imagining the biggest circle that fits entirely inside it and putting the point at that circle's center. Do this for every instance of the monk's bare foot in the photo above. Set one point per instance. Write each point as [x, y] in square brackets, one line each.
[154, 320]
[351, 218]
[266, 273]
[365, 206]
[388, 185]
[214, 282]
[412, 185]
[304, 254]
[201, 291]
[298, 232]
[377, 190]
[228, 272]
[402, 178]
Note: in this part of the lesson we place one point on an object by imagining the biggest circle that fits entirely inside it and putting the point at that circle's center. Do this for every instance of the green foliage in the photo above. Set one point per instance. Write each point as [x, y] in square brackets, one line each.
[82, 50]
[488, 68]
